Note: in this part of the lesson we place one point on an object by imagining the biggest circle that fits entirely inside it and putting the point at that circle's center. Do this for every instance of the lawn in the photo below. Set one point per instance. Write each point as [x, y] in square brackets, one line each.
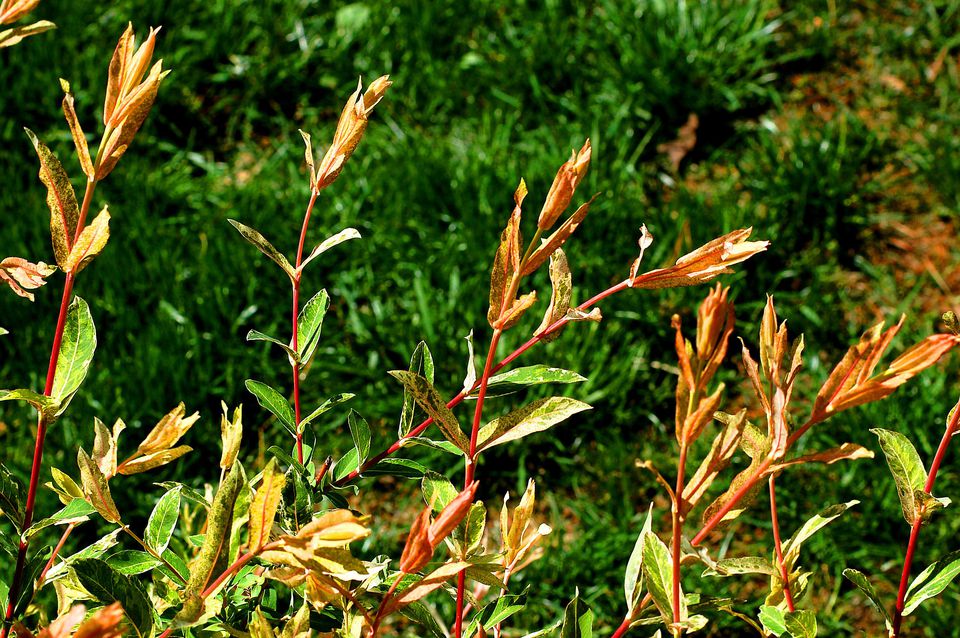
[830, 127]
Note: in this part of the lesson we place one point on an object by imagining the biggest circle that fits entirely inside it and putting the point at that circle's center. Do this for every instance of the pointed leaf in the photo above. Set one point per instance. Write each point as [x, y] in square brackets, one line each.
[344, 235]
[430, 402]
[95, 488]
[274, 402]
[256, 335]
[791, 548]
[801, 623]
[46, 406]
[633, 576]
[76, 511]
[309, 324]
[577, 619]
[360, 432]
[906, 467]
[535, 417]
[867, 588]
[773, 620]
[264, 246]
[263, 508]
[76, 131]
[520, 378]
[162, 521]
[561, 282]
[657, 575]
[76, 352]
[11, 497]
[90, 243]
[107, 585]
[326, 406]
[61, 200]
[421, 362]
[13, 36]
[132, 562]
[931, 581]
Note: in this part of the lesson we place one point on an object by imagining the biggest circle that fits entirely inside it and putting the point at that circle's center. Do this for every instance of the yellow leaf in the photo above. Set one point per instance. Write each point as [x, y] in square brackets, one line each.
[91, 241]
[61, 200]
[263, 508]
[95, 488]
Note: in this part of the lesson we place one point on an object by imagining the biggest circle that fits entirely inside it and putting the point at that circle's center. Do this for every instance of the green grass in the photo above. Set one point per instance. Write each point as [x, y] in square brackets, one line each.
[480, 99]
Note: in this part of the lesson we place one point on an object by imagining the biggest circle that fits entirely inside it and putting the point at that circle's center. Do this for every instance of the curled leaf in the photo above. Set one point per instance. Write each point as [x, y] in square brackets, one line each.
[90, 243]
[61, 200]
[561, 282]
[23, 276]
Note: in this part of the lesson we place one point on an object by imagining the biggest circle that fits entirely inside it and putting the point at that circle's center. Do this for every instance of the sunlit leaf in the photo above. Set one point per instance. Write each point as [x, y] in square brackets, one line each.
[256, 335]
[61, 200]
[907, 469]
[344, 235]
[326, 406]
[263, 508]
[429, 583]
[76, 352]
[633, 575]
[561, 282]
[741, 565]
[12, 497]
[76, 131]
[773, 620]
[150, 461]
[557, 238]
[577, 619]
[657, 573]
[931, 581]
[23, 276]
[46, 406]
[264, 246]
[10, 37]
[520, 378]
[506, 265]
[309, 324]
[95, 488]
[431, 402]
[76, 511]
[535, 417]
[421, 362]
[93, 238]
[132, 562]
[791, 548]
[162, 521]
[231, 433]
[360, 432]
[437, 490]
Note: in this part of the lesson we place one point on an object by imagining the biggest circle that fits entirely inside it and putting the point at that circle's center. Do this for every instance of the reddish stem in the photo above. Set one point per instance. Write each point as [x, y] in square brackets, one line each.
[784, 574]
[56, 551]
[730, 504]
[623, 628]
[534, 340]
[472, 459]
[17, 581]
[678, 531]
[918, 523]
[295, 322]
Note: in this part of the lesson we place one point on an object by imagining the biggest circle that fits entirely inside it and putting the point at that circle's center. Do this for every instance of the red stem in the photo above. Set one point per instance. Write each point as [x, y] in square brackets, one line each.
[623, 628]
[295, 322]
[56, 551]
[472, 461]
[918, 523]
[678, 531]
[17, 581]
[463, 393]
[784, 574]
[729, 505]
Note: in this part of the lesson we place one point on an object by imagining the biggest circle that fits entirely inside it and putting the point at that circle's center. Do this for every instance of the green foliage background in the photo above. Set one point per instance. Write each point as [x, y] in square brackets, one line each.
[803, 134]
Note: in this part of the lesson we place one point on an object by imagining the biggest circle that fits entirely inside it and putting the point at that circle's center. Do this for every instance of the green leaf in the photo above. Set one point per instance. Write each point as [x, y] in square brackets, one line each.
[76, 511]
[865, 586]
[264, 246]
[535, 417]
[11, 497]
[906, 467]
[256, 335]
[473, 527]
[404, 468]
[4, 331]
[801, 623]
[420, 614]
[633, 576]
[76, 352]
[791, 548]
[443, 446]
[657, 574]
[309, 324]
[437, 490]
[162, 521]
[333, 401]
[577, 619]
[46, 406]
[931, 581]
[742, 565]
[107, 585]
[274, 402]
[335, 240]
[132, 562]
[360, 432]
[421, 362]
[519, 378]
[773, 620]
[430, 402]
[348, 463]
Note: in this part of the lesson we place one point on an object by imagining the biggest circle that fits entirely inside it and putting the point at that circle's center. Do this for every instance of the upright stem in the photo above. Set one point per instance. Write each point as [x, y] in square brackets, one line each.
[918, 523]
[17, 582]
[472, 460]
[678, 518]
[534, 340]
[774, 519]
[295, 318]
